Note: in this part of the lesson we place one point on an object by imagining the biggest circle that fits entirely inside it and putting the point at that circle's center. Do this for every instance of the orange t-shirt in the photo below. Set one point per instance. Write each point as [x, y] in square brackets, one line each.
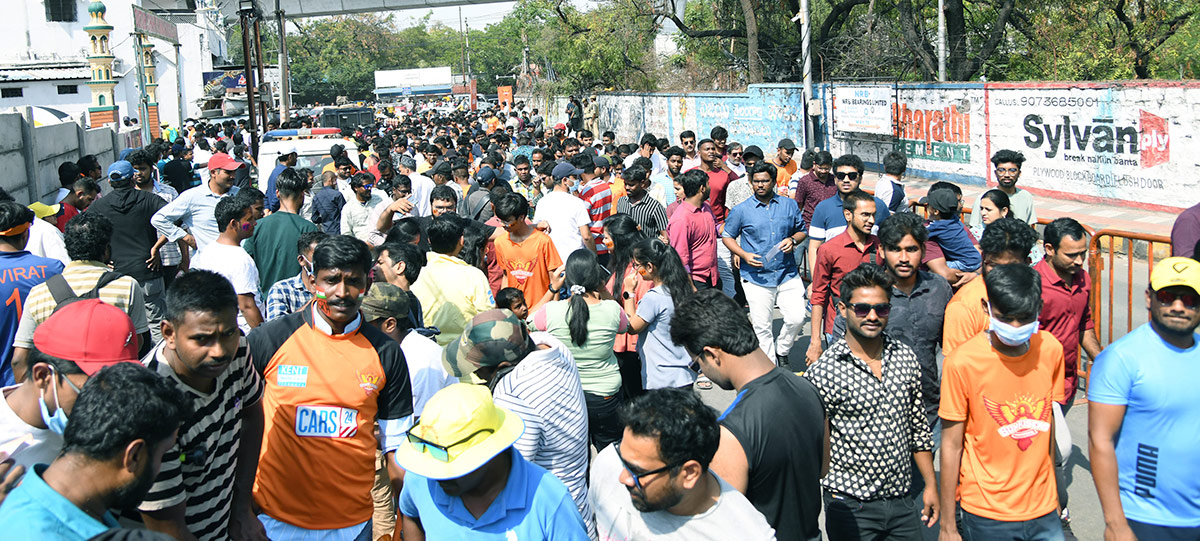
[493, 124]
[965, 315]
[617, 185]
[1007, 471]
[783, 176]
[527, 264]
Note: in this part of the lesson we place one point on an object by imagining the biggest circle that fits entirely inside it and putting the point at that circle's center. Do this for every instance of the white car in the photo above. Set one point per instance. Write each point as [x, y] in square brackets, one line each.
[312, 149]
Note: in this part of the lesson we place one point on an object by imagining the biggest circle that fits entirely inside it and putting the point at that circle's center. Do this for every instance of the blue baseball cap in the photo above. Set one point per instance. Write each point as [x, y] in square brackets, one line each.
[120, 171]
[485, 176]
[564, 170]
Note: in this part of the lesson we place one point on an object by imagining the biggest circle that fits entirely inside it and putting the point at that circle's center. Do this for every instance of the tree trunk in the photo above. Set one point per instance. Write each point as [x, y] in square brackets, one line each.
[755, 65]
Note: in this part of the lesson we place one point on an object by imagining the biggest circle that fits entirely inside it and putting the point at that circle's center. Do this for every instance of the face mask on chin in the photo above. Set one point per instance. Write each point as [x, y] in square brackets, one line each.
[1011, 335]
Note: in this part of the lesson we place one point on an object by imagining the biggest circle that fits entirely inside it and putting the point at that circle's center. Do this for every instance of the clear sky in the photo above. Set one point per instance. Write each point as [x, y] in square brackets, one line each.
[475, 16]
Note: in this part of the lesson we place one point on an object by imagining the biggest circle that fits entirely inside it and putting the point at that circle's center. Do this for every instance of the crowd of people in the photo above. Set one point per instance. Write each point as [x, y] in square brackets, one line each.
[483, 329]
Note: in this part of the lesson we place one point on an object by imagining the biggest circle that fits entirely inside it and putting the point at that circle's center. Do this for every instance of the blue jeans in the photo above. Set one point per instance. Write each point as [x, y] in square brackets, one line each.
[725, 271]
[1047, 527]
[1163, 533]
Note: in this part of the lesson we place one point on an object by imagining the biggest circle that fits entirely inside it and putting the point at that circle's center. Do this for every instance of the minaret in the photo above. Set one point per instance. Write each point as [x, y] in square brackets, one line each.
[104, 105]
[151, 88]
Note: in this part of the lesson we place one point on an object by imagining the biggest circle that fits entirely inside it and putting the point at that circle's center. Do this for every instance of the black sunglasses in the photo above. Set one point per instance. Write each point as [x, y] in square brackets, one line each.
[1167, 298]
[862, 309]
[841, 175]
[438, 451]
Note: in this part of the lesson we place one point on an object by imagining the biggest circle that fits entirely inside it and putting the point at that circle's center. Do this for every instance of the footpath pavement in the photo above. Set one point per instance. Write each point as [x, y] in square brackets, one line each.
[1095, 215]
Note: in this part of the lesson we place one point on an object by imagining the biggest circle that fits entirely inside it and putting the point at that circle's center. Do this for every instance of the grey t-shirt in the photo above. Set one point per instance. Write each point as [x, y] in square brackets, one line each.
[732, 517]
[664, 364]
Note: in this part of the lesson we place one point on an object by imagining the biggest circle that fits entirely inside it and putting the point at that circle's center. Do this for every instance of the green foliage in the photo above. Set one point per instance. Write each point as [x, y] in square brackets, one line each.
[611, 45]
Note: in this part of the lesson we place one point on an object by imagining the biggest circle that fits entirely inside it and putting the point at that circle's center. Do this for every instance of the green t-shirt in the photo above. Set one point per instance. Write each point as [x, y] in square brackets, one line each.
[598, 369]
[273, 247]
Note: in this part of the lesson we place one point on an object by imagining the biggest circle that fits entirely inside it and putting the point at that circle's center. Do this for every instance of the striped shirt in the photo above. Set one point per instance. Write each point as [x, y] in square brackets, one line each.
[124, 293]
[209, 441]
[648, 213]
[598, 195]
[545, 392]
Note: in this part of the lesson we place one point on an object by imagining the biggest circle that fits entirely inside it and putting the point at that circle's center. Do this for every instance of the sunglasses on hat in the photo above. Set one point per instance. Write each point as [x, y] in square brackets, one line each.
[437, 451]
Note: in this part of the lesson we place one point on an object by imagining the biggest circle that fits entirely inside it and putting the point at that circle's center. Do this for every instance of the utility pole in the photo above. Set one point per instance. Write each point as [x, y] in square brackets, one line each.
[468, 36]
[805, 38]
[285, 72]
[463, 56]
[143, 98]
[942, 40]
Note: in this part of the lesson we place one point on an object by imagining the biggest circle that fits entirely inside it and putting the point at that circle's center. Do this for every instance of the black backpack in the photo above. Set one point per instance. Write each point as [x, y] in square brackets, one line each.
[64, 295]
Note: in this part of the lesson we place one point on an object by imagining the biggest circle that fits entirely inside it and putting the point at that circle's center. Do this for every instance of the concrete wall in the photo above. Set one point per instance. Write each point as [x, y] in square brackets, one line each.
[30, 155]
[761, 116]
[1123, 143]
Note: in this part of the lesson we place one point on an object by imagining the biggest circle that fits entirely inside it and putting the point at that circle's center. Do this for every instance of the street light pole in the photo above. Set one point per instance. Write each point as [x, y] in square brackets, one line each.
[942, 40]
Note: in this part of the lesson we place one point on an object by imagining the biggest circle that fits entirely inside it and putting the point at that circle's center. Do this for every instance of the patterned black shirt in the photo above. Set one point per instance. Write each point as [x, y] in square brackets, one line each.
[875, 424]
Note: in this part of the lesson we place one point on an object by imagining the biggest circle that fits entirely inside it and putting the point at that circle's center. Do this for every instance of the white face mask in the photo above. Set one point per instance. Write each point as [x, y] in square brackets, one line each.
[1009, 334]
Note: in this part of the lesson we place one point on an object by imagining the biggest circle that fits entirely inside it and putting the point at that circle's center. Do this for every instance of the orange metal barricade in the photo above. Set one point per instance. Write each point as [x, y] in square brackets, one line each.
[1108, 247]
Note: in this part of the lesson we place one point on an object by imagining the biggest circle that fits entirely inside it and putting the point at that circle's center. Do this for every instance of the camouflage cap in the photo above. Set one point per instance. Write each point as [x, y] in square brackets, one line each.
[384, 300]
[491, 338]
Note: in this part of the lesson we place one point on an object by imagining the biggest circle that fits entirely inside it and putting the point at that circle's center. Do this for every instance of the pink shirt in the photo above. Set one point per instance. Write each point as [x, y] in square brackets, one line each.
[693, 234]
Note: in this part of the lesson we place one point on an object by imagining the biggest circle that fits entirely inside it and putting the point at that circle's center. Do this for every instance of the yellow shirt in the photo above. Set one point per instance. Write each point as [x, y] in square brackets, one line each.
[451, 293]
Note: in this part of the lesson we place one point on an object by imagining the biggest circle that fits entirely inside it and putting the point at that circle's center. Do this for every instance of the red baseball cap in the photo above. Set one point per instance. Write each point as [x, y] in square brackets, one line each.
[89, 333]
[224, 161]
[560, 126]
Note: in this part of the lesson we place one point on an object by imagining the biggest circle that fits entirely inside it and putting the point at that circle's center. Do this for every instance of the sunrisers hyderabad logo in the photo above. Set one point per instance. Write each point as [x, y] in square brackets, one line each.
[368, 382]
[521, 270]
[1021, 418]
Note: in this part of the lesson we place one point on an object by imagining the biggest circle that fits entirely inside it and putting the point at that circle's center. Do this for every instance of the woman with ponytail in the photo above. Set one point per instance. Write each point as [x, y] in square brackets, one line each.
[588, 323]
[664, 364]
[621, 234]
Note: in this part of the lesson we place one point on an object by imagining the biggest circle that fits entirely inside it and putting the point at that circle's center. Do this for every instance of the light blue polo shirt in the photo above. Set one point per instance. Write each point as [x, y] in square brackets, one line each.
[33, 510]
[533, 506]
[1158, 469]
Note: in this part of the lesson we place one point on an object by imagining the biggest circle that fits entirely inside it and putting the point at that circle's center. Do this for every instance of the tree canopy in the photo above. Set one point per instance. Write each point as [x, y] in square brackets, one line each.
[622, 44]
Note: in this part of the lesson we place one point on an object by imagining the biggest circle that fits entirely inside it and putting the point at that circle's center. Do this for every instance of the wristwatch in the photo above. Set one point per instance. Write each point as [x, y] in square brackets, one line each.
[627, 295]
[552, 290]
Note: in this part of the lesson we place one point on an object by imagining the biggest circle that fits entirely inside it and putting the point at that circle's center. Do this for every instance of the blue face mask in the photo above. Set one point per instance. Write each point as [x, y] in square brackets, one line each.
[57, 423]
[1009, 334]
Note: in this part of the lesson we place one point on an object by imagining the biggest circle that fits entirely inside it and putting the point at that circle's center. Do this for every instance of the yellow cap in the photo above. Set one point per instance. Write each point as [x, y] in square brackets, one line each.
[1176, 271]
[42, 210]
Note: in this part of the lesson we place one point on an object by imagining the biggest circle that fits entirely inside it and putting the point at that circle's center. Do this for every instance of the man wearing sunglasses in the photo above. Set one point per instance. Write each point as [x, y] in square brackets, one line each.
[357, 212]
[843, 253]
[876, 426]
[1142, 401]
[828, 219]
[656, 482]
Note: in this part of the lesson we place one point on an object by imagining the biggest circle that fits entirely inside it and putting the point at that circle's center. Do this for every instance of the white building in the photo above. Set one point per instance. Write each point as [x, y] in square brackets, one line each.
[44, 49]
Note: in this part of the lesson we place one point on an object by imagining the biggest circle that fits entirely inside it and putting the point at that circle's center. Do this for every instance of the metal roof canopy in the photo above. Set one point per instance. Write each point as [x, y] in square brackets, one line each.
[299, 9]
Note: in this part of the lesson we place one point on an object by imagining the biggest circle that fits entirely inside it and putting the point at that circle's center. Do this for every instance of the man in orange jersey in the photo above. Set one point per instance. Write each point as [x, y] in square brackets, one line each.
[998, 394]
[329, 379]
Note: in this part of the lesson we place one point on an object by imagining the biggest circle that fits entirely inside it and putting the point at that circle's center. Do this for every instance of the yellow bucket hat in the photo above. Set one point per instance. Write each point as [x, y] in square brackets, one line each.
[460, 430]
